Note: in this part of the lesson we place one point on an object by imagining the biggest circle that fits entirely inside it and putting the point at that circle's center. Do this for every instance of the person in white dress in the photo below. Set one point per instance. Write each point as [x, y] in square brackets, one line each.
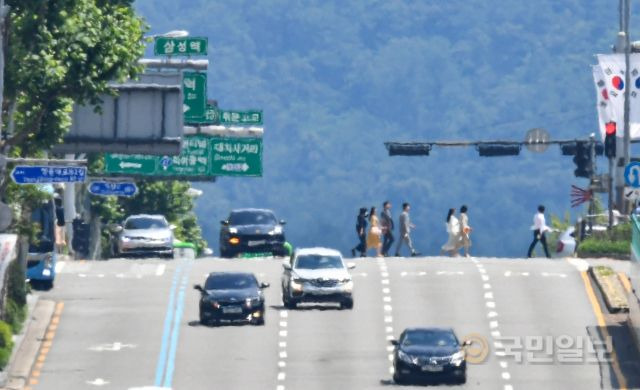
[453, 230]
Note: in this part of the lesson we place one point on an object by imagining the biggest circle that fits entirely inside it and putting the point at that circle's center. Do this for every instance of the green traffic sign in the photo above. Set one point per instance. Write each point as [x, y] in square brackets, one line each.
[201, 156]
[252, 117]
[194, 89]
[130, 164]
[236, 156]
[180, 46]
[214, 116]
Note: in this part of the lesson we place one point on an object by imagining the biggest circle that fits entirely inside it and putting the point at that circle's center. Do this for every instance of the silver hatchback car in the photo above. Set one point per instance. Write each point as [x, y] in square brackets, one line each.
[143, 234]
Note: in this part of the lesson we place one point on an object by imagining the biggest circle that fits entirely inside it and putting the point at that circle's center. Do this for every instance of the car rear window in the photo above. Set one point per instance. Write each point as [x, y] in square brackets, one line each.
[230, 282]
[318, 262]
[252, 218]
[145, 223]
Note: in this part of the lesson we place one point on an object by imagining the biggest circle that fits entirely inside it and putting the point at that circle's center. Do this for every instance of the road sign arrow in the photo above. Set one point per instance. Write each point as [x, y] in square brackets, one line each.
[185, 108]
[127, 164]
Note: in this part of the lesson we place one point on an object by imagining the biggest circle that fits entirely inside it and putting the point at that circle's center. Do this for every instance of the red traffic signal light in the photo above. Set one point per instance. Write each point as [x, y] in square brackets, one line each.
[610, 140]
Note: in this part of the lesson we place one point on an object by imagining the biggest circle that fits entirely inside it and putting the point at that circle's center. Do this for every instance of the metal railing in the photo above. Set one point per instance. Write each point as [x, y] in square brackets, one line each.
[635, 238]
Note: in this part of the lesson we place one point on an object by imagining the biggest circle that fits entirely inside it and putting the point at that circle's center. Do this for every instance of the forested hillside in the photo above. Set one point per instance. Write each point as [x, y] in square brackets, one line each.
[336, 79]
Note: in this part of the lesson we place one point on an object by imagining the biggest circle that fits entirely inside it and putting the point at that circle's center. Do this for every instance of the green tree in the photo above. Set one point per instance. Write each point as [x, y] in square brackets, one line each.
[61, 51]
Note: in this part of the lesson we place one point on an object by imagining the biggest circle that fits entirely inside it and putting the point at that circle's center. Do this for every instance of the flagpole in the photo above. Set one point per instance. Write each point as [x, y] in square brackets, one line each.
[627, 83]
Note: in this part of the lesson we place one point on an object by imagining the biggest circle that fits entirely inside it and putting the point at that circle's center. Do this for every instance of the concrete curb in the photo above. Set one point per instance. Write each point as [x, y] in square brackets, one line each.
[610, 286]
[26, 348]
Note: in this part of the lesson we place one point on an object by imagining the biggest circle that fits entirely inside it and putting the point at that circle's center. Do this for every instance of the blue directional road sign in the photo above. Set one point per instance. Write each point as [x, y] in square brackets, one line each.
[632, 174]
[23, 174]
[108, 188]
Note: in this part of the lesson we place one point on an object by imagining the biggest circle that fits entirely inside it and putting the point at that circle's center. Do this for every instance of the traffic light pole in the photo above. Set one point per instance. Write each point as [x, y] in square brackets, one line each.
[592, 153]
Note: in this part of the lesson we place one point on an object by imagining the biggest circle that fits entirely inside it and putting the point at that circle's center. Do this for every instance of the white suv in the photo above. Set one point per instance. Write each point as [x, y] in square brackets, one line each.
[316, 275]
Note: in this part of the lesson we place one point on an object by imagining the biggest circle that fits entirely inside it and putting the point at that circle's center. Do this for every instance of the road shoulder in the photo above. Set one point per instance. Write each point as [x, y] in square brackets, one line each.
[19, 368]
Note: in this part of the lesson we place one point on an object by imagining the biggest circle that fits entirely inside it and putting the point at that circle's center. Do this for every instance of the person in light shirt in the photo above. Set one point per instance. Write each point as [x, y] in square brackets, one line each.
[539, 229]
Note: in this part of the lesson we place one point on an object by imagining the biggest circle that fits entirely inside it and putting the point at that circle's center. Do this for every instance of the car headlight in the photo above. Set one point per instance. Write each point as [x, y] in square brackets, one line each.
[252, 302]
[233, 230]
[48, 261]
[296, 284]
[215, 304]
[457, 358]
[125, 239]
[404, 357]
[347, 284]
[276, 230]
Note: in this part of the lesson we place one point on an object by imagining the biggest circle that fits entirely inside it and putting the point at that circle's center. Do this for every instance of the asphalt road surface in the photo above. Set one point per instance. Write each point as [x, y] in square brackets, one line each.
[133, 324]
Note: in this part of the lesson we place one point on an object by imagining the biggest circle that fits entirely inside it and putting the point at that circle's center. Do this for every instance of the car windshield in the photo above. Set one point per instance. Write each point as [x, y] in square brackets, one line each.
[252, 218]
[318, 262]
[145, 223]
[438, 338]
[230, 282]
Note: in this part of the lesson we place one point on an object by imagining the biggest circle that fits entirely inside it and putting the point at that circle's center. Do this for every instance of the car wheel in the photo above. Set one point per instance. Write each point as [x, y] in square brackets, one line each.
[288, 302]
[347, 304]
[202, 320]
[47, 284]
[225, 253]
[259, 321]
[397, 378]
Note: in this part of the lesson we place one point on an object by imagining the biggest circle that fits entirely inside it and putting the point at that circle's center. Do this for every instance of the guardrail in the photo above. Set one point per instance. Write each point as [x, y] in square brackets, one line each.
[635, 238]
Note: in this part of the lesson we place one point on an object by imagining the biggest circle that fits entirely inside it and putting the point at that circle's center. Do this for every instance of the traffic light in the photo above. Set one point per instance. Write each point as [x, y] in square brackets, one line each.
[408, 149]
[582, 159]
[491, 150]
[610, 140]
[569, 148]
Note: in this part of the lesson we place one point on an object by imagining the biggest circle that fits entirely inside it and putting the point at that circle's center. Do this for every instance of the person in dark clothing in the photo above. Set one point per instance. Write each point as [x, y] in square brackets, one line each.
[361, 230]
[386, 220]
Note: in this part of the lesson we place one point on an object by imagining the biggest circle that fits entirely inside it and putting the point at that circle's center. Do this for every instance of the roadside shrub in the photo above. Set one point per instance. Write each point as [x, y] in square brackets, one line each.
[603, 247]
[16, 286]
[14, 315]
[6, 344]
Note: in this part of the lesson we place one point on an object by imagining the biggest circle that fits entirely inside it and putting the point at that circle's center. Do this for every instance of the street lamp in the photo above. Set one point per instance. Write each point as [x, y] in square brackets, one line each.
[171, 34]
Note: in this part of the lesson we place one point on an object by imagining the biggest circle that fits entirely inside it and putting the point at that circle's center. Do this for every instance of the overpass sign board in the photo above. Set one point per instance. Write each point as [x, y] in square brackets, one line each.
[236, 156]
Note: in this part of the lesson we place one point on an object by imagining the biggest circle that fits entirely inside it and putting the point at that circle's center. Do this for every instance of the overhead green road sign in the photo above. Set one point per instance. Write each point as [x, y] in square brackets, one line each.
[252, 117]
[194, 88]
[201, 157]
[236, 156]
[215, 116]
[187, 46]
[130, 164]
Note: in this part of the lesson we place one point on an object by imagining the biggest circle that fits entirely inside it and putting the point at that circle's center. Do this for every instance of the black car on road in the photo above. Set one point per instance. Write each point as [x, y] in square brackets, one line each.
[433, 354]
[231, 296]
[252, 231]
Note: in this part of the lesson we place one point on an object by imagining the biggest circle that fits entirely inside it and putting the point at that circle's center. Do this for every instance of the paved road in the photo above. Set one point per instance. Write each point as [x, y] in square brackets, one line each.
[130, 324]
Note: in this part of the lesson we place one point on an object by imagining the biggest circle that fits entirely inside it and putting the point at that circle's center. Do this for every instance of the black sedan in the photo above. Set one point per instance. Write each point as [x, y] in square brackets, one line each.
[252, 231]
[231, 296]
[429, 354]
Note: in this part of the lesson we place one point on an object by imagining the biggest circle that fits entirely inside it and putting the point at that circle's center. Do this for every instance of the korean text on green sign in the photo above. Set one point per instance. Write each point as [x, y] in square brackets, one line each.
[180, 46]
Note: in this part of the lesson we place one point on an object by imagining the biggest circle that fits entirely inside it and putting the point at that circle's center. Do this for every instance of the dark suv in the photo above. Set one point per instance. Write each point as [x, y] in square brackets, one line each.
[252, 231]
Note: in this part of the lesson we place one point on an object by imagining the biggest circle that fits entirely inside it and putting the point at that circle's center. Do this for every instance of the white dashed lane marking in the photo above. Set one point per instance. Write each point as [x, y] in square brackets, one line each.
[282, 350]
[491, 313]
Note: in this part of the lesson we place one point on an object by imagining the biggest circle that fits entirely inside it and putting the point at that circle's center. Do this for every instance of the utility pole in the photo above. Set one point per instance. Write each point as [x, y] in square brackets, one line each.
[592, 155]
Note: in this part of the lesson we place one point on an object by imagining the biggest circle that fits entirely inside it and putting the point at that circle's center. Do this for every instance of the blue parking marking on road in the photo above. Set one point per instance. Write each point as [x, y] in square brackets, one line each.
[176, 330]
[162, 358]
